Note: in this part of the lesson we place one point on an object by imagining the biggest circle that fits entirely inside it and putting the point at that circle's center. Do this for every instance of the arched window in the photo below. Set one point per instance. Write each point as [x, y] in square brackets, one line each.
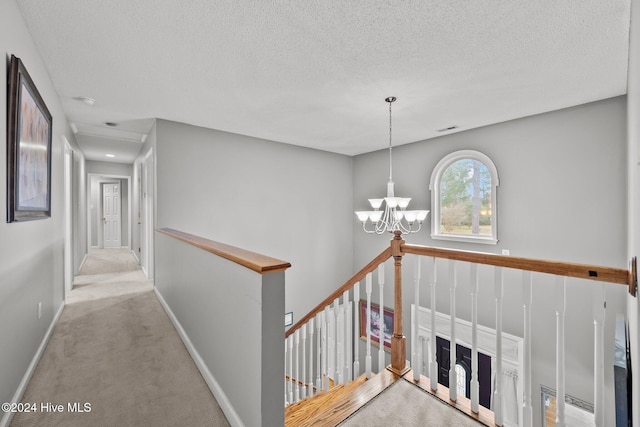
[463, 197]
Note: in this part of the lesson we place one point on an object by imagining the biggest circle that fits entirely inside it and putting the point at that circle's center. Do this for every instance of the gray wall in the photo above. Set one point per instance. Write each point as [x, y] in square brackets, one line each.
[232, 316]
[109, 168]
[31, 253]
[288, 202]
[562, 196]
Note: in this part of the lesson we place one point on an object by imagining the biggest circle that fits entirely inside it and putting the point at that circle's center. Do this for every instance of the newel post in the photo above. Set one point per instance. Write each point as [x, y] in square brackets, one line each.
[398, 341]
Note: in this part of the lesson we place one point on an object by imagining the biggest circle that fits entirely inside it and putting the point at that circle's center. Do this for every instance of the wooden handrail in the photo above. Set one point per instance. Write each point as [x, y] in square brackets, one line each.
[254, 261]
[582, 271]
[384, 255]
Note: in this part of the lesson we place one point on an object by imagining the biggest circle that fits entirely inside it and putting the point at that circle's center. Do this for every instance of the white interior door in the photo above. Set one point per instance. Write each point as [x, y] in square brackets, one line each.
[111, 215]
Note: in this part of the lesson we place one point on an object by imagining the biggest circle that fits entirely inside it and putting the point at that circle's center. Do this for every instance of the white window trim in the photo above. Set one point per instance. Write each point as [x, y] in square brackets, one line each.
[434, 186]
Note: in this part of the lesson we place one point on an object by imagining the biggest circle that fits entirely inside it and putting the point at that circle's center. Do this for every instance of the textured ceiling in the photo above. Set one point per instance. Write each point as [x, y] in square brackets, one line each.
[316, 73]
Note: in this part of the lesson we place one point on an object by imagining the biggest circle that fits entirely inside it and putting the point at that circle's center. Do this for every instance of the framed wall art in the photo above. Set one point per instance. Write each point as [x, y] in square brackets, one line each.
[374, 321]
[29, 126]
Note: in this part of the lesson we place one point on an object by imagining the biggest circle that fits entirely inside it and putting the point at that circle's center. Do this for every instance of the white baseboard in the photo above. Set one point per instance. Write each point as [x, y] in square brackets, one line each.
[218, 393]
[135, 255]
[82, 263]
[8, 416]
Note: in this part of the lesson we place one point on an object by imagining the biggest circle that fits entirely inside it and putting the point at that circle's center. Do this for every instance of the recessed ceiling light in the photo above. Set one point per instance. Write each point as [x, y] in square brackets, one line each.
[448, 128]
[110, 155]
[111, 124]
[73, 126]
[85, 99]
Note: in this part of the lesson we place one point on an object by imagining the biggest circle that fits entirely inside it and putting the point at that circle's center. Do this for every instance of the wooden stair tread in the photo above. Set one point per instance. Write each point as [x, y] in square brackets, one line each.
[334, 406]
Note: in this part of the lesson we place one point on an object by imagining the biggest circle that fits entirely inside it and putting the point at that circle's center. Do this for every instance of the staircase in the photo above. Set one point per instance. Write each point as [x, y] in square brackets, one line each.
[330, 408]
[325, 350]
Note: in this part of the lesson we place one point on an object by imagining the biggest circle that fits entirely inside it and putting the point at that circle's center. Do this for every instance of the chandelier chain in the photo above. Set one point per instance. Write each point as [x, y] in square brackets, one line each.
[390, 146]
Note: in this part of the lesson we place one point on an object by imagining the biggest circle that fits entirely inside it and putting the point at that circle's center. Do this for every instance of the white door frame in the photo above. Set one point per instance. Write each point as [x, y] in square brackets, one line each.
[147, 193]
[107, 177]
[68, 217]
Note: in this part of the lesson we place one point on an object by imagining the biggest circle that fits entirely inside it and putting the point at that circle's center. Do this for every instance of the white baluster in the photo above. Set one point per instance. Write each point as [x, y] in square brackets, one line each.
[497, 393]
[340, 347]
[356, 331]
[367, 359]
[599, 308]
[291, 379]
[381, 357]
[303, 389]
[475, 385]
[331, 344]
[561, 294]
[286, 381]
[348, 325]
[453, 375]
[424, 365]
[527, 407]
[311, 328]
[296, 334]
[433, 365]
[415, 320]
[320, 353]
[325, 349]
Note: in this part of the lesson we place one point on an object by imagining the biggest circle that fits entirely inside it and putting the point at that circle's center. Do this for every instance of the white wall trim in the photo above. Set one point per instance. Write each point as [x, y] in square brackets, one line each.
[135, 256]
[8, 416]
[83, 261]
[218, 393]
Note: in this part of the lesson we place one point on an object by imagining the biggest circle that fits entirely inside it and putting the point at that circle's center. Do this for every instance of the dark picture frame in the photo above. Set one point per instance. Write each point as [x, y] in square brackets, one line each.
[373, 319]
[29, 133]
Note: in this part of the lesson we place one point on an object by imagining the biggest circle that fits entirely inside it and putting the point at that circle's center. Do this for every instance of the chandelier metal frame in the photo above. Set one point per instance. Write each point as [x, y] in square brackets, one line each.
[394, 217]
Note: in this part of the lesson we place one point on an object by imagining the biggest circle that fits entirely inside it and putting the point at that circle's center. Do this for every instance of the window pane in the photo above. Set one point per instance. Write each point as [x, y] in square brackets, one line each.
[465, 199]
[461, 374]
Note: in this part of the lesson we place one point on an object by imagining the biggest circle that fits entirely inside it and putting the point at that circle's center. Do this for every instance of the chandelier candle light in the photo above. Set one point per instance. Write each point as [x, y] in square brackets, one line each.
[394, 216]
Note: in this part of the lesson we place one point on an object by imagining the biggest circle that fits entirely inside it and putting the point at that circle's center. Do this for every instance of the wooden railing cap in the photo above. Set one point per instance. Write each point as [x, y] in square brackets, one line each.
[259, 263]
[582, 271]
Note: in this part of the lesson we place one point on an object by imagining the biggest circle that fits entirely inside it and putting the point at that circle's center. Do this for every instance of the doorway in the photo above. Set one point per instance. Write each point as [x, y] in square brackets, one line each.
[463, 370]
[111, 215]
[147, 216]
[98, 222]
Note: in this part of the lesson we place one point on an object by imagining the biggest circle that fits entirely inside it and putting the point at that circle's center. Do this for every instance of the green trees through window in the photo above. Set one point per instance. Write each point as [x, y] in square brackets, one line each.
[465, 198]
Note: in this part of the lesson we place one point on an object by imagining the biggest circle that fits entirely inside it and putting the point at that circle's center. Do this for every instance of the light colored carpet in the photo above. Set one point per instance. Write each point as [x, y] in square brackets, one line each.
[404, 404]
[109, 261]
[122, 356]
[108, 273]
[106, 285]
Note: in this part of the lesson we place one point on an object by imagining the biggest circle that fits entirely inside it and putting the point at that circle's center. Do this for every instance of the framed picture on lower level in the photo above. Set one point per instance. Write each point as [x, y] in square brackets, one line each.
[374, 321]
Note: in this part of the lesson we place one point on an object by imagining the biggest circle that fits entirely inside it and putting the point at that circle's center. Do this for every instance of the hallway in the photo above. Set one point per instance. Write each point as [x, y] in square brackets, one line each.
[115, 359]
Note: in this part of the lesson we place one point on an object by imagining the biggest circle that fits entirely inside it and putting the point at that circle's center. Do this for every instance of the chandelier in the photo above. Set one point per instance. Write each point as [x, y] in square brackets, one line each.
[394, 216]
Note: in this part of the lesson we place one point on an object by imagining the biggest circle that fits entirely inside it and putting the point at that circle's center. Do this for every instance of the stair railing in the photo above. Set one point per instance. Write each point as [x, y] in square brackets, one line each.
[456, 260]
[322, 349]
